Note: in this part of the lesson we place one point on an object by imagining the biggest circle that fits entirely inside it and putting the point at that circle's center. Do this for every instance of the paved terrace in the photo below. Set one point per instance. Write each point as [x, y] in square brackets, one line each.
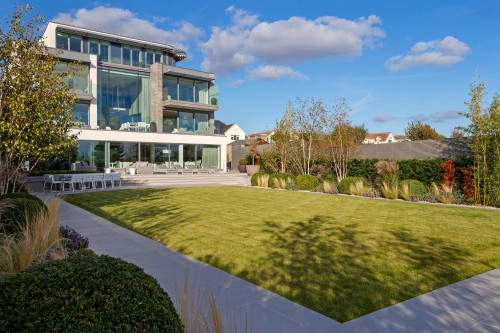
[472, 305]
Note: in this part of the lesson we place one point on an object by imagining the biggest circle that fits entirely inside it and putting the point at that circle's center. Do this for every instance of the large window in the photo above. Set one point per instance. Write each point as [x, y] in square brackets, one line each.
[81, 113]
[79, 80]
[116, 53]
[170, 91]
[201, 92]
[123, 95]
[186, 90]
[62, 41]
[75, 43]
[93, 46]
[186, 121]
[104, 51]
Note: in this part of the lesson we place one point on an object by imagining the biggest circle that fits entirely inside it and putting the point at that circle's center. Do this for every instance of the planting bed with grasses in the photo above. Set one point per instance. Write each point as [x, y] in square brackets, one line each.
[341, 256]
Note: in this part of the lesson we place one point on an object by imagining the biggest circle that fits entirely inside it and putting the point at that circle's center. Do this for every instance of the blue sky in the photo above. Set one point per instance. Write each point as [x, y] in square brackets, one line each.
[394, 61]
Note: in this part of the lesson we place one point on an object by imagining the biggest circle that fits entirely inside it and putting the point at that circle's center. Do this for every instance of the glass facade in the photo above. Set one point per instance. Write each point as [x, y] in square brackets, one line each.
[81, 112]
[113, 52]
[79, 80]
[187, 90]
[123, 96]
[104, 154]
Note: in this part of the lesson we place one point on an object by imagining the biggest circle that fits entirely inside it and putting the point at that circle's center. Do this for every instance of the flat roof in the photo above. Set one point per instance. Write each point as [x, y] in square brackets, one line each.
[62, 27]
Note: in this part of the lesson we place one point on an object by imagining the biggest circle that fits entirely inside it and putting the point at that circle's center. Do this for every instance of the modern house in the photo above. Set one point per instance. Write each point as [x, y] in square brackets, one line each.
[135, 104]
[377, 138]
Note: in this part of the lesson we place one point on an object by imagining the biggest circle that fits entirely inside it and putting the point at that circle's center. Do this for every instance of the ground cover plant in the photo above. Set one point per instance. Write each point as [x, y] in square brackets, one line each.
[341, 256]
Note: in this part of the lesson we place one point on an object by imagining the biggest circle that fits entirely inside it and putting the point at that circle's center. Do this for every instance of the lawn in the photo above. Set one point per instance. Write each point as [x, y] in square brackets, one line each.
[338, 255]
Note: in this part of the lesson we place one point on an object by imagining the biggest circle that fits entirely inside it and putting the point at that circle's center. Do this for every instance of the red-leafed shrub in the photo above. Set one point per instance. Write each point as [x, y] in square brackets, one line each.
[468, 181]
[448, 173]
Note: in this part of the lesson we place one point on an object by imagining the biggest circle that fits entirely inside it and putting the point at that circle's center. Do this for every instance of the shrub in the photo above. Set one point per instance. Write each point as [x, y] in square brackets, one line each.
[448, 170]
[276, 179]
[86, 294]
[255, 177]
[263, 180]
[390, 191]
[373, 193]
[359, 188]
[36, 242]
[361, 167]
[242, 161]
[388, 172]
[25, 207]
[307, 182]
[318, 189]
[345, 183]
[292, 187]
[414, 186]
[72, 240]
[426, 171]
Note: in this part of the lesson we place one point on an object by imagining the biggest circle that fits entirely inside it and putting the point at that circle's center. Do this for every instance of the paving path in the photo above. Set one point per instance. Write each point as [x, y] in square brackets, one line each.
[472, 305]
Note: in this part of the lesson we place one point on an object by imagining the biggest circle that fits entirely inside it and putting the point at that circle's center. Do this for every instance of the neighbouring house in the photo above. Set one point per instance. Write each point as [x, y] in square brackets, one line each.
[135, 104]
[377, 138]
[233, 132]
[266, 136]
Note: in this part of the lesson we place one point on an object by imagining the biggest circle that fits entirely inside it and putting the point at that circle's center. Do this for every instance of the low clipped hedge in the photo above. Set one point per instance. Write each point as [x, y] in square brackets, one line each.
[38, 173]
[256, 176]
[416, 187]
[307, 182]
[25, 208]
[345, 183]
[285, 176]
[86, 293]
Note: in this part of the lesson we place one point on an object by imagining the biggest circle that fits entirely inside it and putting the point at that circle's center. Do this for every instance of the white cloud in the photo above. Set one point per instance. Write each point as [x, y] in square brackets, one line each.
[124, 22]
[436, 53]
[235, 83]
[441, 116]
[270, 72]
[382, 118]
[294, 40]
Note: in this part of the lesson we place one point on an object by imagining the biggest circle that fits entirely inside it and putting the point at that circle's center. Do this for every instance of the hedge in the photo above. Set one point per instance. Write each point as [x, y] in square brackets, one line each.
[307, 182]
[416, 187]
[86, 293]
[25, 208]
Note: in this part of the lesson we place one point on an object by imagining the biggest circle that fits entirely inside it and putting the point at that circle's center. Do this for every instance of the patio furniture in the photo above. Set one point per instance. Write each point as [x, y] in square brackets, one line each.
[47, 179]
[55, 181]
[116, 177]
[108, 178]
[74, 180]
[82, 166]
[88, 181]
[99, 179]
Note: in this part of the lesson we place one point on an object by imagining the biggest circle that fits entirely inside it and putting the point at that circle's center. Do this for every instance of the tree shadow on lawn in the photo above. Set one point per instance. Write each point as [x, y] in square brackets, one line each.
[150, 218]
[344, 272]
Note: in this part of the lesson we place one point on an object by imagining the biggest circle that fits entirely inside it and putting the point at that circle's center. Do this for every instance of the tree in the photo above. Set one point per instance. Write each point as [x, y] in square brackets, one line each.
[342, 137]
[309, 117]
[35, 103]
[282, 136]
[456, 133]
[484, 130]
[421, 131]
[360, 132]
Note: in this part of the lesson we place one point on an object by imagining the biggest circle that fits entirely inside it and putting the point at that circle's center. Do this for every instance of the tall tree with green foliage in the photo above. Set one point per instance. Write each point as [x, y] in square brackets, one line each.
[484, 131]
[309, 117]
[342, 138]
[35, 103]
[421, 131]
[282, 137]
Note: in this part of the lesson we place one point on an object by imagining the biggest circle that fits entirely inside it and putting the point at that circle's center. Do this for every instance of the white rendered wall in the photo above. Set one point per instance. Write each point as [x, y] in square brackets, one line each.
[49, 35]
[93, 121]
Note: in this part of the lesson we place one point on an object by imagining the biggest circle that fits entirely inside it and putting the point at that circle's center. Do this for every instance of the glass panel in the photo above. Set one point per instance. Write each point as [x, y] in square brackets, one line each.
[81, 112]
[201, 122]
[201, 92]
[123, 154]
[75, 43]
[169, 121]
[104, 54]
[93, 46]
[126, 55]
[149, 57]
[173, 158]
[116, 53]
[169, 88]
[85, 45]
[214, 95]
[61, 41]
[209, 155]
[80, 80]
[124, 96]
[92, 152]
[136, 57]
[165, 58]
[186, 121]
[186, 90]
[158, 57]
[189, 154]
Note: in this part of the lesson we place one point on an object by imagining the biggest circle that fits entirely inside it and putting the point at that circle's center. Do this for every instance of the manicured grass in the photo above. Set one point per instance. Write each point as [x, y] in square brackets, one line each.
[341, 256]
